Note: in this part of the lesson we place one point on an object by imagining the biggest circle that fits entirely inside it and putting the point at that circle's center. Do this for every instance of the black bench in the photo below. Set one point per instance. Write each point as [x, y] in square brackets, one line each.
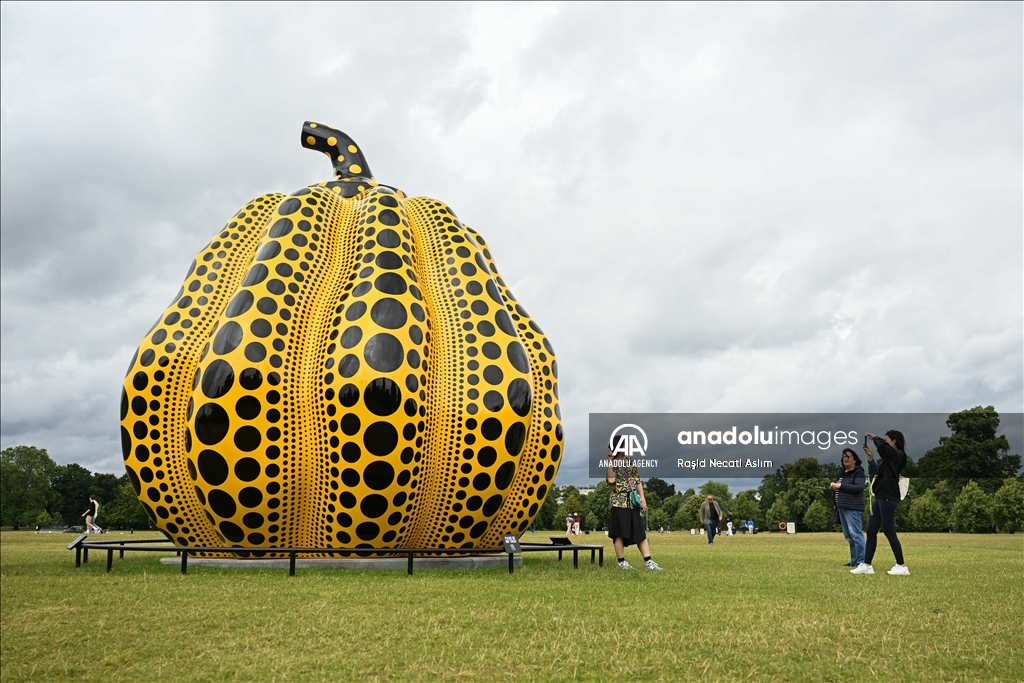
[81, 547]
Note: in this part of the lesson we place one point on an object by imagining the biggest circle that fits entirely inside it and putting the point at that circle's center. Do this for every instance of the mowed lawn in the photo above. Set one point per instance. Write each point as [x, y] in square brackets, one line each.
[768, 607]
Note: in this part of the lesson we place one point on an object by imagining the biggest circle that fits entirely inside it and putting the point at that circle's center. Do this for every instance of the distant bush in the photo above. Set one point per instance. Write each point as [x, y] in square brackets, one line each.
[1008, 506]
[928, 514]
[817, 516]
[972, 510]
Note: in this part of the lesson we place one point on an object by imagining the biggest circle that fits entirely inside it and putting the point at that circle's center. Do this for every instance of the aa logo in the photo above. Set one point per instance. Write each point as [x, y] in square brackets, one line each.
[626, 441]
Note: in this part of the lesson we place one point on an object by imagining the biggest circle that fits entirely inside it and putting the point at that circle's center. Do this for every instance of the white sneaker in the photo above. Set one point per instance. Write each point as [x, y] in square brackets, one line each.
[651, 565]
[624, 565]
[899, 570]
[863, 569]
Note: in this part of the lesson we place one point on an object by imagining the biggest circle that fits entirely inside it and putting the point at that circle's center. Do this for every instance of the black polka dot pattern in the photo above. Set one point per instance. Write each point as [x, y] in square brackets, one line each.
[343, 368]
[162, 451]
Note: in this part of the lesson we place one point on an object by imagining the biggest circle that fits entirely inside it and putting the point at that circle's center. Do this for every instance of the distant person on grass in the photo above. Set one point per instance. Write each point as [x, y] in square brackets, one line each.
[750, 527]
[568, 525]
[710, 514]
[626, 525]
[886, 490]
[728, 523]
[91, 513]
[848, 489]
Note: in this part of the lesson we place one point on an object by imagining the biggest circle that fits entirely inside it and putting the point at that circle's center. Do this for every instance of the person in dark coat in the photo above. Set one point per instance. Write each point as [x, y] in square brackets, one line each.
[710, 515]
[886, 490]
[848, 489]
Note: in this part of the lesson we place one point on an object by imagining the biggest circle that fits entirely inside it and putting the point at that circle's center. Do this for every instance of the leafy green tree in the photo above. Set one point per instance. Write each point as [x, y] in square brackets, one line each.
[599, 506]
[779, 512]
[688, 492]
[972, 511]
[548, 510]
[972, 451]
[658, 518]
[1008, 506]
[772, 485]
[945, 493]
[572, 504]
[46, 519]
[902, 520]
[817, 517]
[688, 514]
[808, 468]
[124, 511]
[105, 487]
[804, 492]
[660, 487]
[719, 490]
[671, 504]
[653, 500]
[75, 484]
[746, 506]
[25, 486]
[928, 514]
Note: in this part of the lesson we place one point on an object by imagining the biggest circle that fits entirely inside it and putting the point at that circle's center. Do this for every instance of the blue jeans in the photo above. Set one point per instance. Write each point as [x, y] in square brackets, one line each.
[710, 529]
[853, 525]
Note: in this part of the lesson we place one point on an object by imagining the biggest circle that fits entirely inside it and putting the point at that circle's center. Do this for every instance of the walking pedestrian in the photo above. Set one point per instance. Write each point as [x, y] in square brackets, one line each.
[90, 514]
[710, 514]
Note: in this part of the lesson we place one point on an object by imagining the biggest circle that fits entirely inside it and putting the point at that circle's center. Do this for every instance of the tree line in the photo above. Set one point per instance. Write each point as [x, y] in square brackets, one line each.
[36, 491]
[970, 483]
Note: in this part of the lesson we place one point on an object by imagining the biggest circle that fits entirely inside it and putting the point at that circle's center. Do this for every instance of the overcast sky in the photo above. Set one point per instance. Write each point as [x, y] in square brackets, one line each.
[708, 208]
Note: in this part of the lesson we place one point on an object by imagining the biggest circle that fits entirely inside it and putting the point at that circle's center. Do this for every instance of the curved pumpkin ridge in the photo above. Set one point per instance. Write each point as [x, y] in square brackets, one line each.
[251, 456]
[542, 454]
[374, 381]
[158, 385]
[480, 417]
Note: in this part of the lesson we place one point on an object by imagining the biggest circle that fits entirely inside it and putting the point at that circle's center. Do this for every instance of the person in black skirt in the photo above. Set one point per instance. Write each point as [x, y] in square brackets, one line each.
[626, 526]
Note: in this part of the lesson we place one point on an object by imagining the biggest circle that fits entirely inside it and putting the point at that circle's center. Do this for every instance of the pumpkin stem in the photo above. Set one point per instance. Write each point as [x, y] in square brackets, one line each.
[348, 159]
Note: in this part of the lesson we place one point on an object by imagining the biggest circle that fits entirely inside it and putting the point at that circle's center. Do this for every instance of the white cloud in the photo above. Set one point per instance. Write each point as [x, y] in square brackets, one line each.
[707, 208]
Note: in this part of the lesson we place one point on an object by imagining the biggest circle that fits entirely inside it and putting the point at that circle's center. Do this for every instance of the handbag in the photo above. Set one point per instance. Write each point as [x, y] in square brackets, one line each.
[904, 482]
[634, 496]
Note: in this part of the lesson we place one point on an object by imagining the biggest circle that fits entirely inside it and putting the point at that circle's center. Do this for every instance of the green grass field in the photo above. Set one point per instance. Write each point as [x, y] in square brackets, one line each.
[768, 607]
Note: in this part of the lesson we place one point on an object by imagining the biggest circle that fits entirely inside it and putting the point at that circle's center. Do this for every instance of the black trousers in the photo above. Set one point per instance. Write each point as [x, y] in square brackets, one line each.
[883, 514]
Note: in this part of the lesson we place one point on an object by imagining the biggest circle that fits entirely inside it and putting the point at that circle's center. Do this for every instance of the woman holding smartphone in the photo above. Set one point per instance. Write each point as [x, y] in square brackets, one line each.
[849, 494]
[886, 490]
[626, 525]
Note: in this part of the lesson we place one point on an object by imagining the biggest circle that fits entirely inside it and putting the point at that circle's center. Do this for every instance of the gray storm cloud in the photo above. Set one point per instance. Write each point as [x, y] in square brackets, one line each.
[707, 208]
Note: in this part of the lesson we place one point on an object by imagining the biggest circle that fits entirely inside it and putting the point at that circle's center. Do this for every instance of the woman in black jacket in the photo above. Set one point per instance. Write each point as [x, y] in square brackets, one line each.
[886, 489]
[849, 492]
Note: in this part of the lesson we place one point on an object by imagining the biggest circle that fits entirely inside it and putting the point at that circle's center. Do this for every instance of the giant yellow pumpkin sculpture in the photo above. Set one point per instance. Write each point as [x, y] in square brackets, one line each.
[343, 367]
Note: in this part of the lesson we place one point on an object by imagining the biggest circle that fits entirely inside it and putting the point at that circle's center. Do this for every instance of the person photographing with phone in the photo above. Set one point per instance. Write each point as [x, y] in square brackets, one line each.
[886, 490]
[628, 503]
